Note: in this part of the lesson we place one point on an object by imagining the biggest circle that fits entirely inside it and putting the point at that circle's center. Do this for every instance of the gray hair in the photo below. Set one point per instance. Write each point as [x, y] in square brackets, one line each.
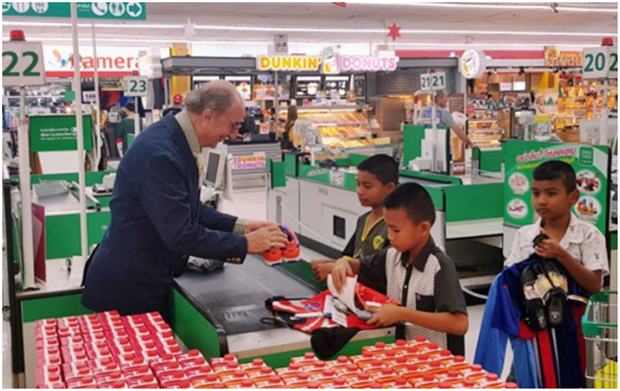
[217, 95]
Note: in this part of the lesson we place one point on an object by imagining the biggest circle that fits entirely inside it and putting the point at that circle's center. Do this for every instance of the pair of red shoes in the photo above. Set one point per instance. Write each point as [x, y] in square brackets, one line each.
[290, 252]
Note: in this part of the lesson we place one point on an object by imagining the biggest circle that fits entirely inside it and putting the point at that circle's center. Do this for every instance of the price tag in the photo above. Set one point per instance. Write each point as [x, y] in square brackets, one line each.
[22, 64]
[135, 85]
[600, 63]
[89, 96]
[433, 81]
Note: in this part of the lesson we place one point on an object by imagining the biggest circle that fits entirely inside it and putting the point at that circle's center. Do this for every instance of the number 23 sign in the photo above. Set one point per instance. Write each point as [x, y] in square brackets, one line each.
[22, 64]
[135, 85]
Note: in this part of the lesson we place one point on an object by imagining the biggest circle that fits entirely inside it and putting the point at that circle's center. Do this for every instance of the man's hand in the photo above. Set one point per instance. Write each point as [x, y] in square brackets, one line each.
[262, 239]
[253, 225]
[468, 143]
[550, 248]
[386, 315]
[339, 273]
[322, 268]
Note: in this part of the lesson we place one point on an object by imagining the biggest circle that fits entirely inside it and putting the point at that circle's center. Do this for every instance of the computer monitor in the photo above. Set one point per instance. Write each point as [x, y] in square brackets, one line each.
[216, 164]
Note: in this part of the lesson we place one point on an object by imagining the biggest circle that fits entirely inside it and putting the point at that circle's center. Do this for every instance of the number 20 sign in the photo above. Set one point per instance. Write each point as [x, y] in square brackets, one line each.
[22, 64]
[135, 85]
[600, 63]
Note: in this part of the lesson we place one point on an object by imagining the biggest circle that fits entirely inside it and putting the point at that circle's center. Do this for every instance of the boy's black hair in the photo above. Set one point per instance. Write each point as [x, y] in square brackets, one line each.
[556, 169]
[382, 166]
[415, 200]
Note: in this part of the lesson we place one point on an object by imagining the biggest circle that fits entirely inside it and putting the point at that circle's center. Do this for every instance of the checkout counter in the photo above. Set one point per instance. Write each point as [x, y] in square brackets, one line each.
[217, 313]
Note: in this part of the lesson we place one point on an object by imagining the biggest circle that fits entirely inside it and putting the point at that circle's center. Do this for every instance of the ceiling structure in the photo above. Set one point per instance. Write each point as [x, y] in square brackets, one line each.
[431, 25]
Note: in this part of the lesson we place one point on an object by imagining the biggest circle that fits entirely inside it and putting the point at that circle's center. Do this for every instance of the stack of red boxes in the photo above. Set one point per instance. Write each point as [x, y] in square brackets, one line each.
[107, 350]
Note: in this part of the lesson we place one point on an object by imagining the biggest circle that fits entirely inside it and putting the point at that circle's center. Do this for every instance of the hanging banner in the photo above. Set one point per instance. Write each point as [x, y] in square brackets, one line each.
[591, 165]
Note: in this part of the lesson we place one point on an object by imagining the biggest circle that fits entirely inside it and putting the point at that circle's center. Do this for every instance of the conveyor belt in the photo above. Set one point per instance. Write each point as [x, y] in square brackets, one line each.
[423, 182]
[234, 298]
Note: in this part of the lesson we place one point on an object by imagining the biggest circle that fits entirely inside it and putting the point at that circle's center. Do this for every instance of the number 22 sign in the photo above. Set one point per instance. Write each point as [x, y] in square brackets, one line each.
[135, 85]
[600, 63]
[22, 64]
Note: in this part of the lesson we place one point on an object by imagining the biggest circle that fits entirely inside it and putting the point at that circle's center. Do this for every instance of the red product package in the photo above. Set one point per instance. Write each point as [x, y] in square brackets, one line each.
[113, 384]
[142, 381]
[48, 374]
[130, 370]
[109, 377]
[171, 376]
[308, 359]
[207, 380]
[247, 383]
[198, 371]
[272, 382]
[260, 374]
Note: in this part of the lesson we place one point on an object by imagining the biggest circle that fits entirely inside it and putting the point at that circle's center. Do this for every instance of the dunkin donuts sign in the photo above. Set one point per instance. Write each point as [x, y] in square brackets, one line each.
[329, 63]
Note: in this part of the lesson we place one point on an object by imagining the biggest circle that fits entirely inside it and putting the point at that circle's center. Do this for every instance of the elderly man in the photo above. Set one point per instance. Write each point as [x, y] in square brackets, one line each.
[157, 218]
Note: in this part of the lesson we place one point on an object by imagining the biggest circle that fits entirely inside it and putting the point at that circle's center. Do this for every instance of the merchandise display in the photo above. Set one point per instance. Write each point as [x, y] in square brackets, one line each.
[336, 127]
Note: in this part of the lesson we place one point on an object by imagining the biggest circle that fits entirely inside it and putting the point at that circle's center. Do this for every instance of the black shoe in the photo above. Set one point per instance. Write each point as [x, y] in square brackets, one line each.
[534, 305]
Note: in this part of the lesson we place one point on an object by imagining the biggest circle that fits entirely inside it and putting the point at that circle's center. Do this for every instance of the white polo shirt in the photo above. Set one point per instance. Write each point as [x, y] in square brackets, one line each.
[582, 240]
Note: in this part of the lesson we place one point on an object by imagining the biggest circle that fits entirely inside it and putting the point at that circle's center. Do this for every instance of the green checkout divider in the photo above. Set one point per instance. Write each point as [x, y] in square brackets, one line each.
[62, 233]
[303, 271]
[431, 176]
[412, 142]
[53, 307]
[190, 325]
[474, 202]
[290, 164]
[91, 177]
[278, 173]
[490, 160]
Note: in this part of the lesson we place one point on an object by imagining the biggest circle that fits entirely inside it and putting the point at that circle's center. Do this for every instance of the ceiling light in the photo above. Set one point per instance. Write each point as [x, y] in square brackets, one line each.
[314, 29]
[507, 7]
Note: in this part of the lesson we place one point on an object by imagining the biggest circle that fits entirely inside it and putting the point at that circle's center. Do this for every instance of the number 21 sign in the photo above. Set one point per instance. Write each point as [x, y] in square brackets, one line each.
[433, 81]
[22, 64]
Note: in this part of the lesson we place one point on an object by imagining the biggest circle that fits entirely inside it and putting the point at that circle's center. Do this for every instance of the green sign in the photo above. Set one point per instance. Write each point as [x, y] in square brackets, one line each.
[590, 162]
[57, 133]
[96, 10]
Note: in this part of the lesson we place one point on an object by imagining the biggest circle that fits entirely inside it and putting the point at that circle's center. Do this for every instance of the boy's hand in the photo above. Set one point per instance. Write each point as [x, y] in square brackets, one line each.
[322, 268]
[339, 273]
[550, 248]
[386, 315]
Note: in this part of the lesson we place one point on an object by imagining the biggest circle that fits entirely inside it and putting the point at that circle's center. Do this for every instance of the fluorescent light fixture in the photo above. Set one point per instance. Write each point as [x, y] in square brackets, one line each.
[318, 29]
[566, 7]
[397, 46]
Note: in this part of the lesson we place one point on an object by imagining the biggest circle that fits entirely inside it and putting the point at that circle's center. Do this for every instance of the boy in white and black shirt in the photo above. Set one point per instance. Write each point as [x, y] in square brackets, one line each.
[417, 273]
[577, 245]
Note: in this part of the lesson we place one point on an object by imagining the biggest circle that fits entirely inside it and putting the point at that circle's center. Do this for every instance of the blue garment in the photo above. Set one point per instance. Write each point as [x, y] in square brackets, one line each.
[157, 222]
[491, 348]
[501, 321]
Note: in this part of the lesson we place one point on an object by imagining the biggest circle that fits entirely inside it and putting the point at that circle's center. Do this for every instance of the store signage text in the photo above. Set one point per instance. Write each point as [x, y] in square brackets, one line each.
[556, 58]
[288, 63]
[248, 162]
[556, 153]
[95, 10]
[336, 64]
[61, 60]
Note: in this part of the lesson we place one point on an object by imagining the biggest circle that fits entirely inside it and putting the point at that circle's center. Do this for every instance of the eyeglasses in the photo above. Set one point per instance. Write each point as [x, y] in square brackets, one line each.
[236, 125]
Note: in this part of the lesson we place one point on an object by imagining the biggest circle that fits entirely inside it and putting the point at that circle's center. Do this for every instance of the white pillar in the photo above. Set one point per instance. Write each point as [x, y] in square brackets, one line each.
[77, 88]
